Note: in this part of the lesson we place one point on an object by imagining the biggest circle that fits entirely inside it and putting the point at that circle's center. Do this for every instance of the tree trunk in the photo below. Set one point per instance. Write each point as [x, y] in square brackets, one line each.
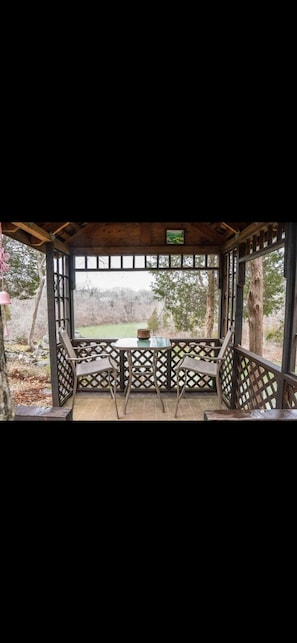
[210, 303]
[255, 307]
[255, 313]
[7, 406]
[40, 263]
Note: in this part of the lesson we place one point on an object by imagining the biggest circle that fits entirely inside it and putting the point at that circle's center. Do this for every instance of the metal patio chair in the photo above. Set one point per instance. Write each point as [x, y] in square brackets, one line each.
[82, 368]
[208, 365]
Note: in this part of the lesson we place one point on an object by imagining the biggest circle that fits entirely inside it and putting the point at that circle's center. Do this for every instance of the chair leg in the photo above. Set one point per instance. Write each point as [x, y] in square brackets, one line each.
[113, 391]
[74, 389]
[179, 394]
[219, 388]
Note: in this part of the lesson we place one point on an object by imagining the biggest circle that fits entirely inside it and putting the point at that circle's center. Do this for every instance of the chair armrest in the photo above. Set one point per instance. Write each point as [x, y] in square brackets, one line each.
[199, 356]
[90, 357]
[213, 359]
[79, 348]
[209, 358]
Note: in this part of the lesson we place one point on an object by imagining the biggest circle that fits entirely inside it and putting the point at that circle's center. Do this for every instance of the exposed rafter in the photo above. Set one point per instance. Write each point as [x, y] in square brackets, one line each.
[35, 231]
[121, 237]
[37, 235]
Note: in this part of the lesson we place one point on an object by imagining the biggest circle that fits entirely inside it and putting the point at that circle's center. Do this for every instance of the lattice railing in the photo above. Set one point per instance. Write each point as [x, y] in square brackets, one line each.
[257, 382]
[198, 381]
[166, 362]
[290, 393]
[86, 349]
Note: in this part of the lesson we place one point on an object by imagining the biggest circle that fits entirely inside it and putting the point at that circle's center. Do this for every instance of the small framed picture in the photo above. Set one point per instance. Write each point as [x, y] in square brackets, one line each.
[175, 237]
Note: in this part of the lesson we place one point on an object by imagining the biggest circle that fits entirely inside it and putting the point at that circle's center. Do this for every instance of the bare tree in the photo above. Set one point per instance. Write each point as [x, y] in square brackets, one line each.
[210, 301]
[255, 307]
[255, 311]
[7, 407]
[40, 263]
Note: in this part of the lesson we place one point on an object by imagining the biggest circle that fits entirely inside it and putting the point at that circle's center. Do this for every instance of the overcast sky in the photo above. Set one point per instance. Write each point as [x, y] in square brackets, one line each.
[118, 279]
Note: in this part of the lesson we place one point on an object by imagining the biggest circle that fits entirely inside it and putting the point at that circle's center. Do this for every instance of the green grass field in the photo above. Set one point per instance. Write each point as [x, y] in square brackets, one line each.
[111, 331]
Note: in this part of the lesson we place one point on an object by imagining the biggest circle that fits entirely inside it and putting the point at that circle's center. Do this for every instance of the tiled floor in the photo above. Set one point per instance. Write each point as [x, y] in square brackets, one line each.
[144, 407]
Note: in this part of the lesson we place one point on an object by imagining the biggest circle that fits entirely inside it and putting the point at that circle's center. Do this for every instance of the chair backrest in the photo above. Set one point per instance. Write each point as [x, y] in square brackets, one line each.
[226, 342]
[66, 341]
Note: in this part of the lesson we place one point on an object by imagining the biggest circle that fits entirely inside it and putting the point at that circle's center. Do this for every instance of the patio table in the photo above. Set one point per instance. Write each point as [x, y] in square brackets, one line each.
[130, 345]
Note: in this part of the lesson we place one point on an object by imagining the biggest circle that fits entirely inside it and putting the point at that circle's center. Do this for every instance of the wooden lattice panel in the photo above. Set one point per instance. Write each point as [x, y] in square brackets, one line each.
[290, 395]
[198, 381]
[93, 349]
[256, 385]
[143, 361]
[226, 375]
[65, 375]
[256, 382]
[85, 349]
[196, 349]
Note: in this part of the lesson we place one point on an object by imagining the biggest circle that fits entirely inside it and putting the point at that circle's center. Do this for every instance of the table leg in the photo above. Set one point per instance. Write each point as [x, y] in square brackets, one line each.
[155, 360]
[129, 357]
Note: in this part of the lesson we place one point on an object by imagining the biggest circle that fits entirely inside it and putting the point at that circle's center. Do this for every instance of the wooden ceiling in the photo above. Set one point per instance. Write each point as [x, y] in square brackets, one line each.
[120, 238]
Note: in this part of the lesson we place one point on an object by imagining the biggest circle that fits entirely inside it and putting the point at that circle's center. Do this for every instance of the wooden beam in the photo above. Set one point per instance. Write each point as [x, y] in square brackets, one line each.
[61, 227]
[247, 232]
[146, 250]
[9, 227]
[45, 237]
[227, 225]
[34, 230]
[35, 242]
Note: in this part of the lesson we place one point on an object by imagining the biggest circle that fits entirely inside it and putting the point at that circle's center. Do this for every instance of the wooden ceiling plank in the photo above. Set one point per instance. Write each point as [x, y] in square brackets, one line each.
[208, 230]
[143, 238]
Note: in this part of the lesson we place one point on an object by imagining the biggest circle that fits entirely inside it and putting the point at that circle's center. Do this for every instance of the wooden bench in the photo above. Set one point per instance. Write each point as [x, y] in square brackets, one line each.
[26, 413]
[228, 415]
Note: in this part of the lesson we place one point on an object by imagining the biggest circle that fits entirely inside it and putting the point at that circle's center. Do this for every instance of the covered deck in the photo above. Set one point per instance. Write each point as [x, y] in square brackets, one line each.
[249, 381]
